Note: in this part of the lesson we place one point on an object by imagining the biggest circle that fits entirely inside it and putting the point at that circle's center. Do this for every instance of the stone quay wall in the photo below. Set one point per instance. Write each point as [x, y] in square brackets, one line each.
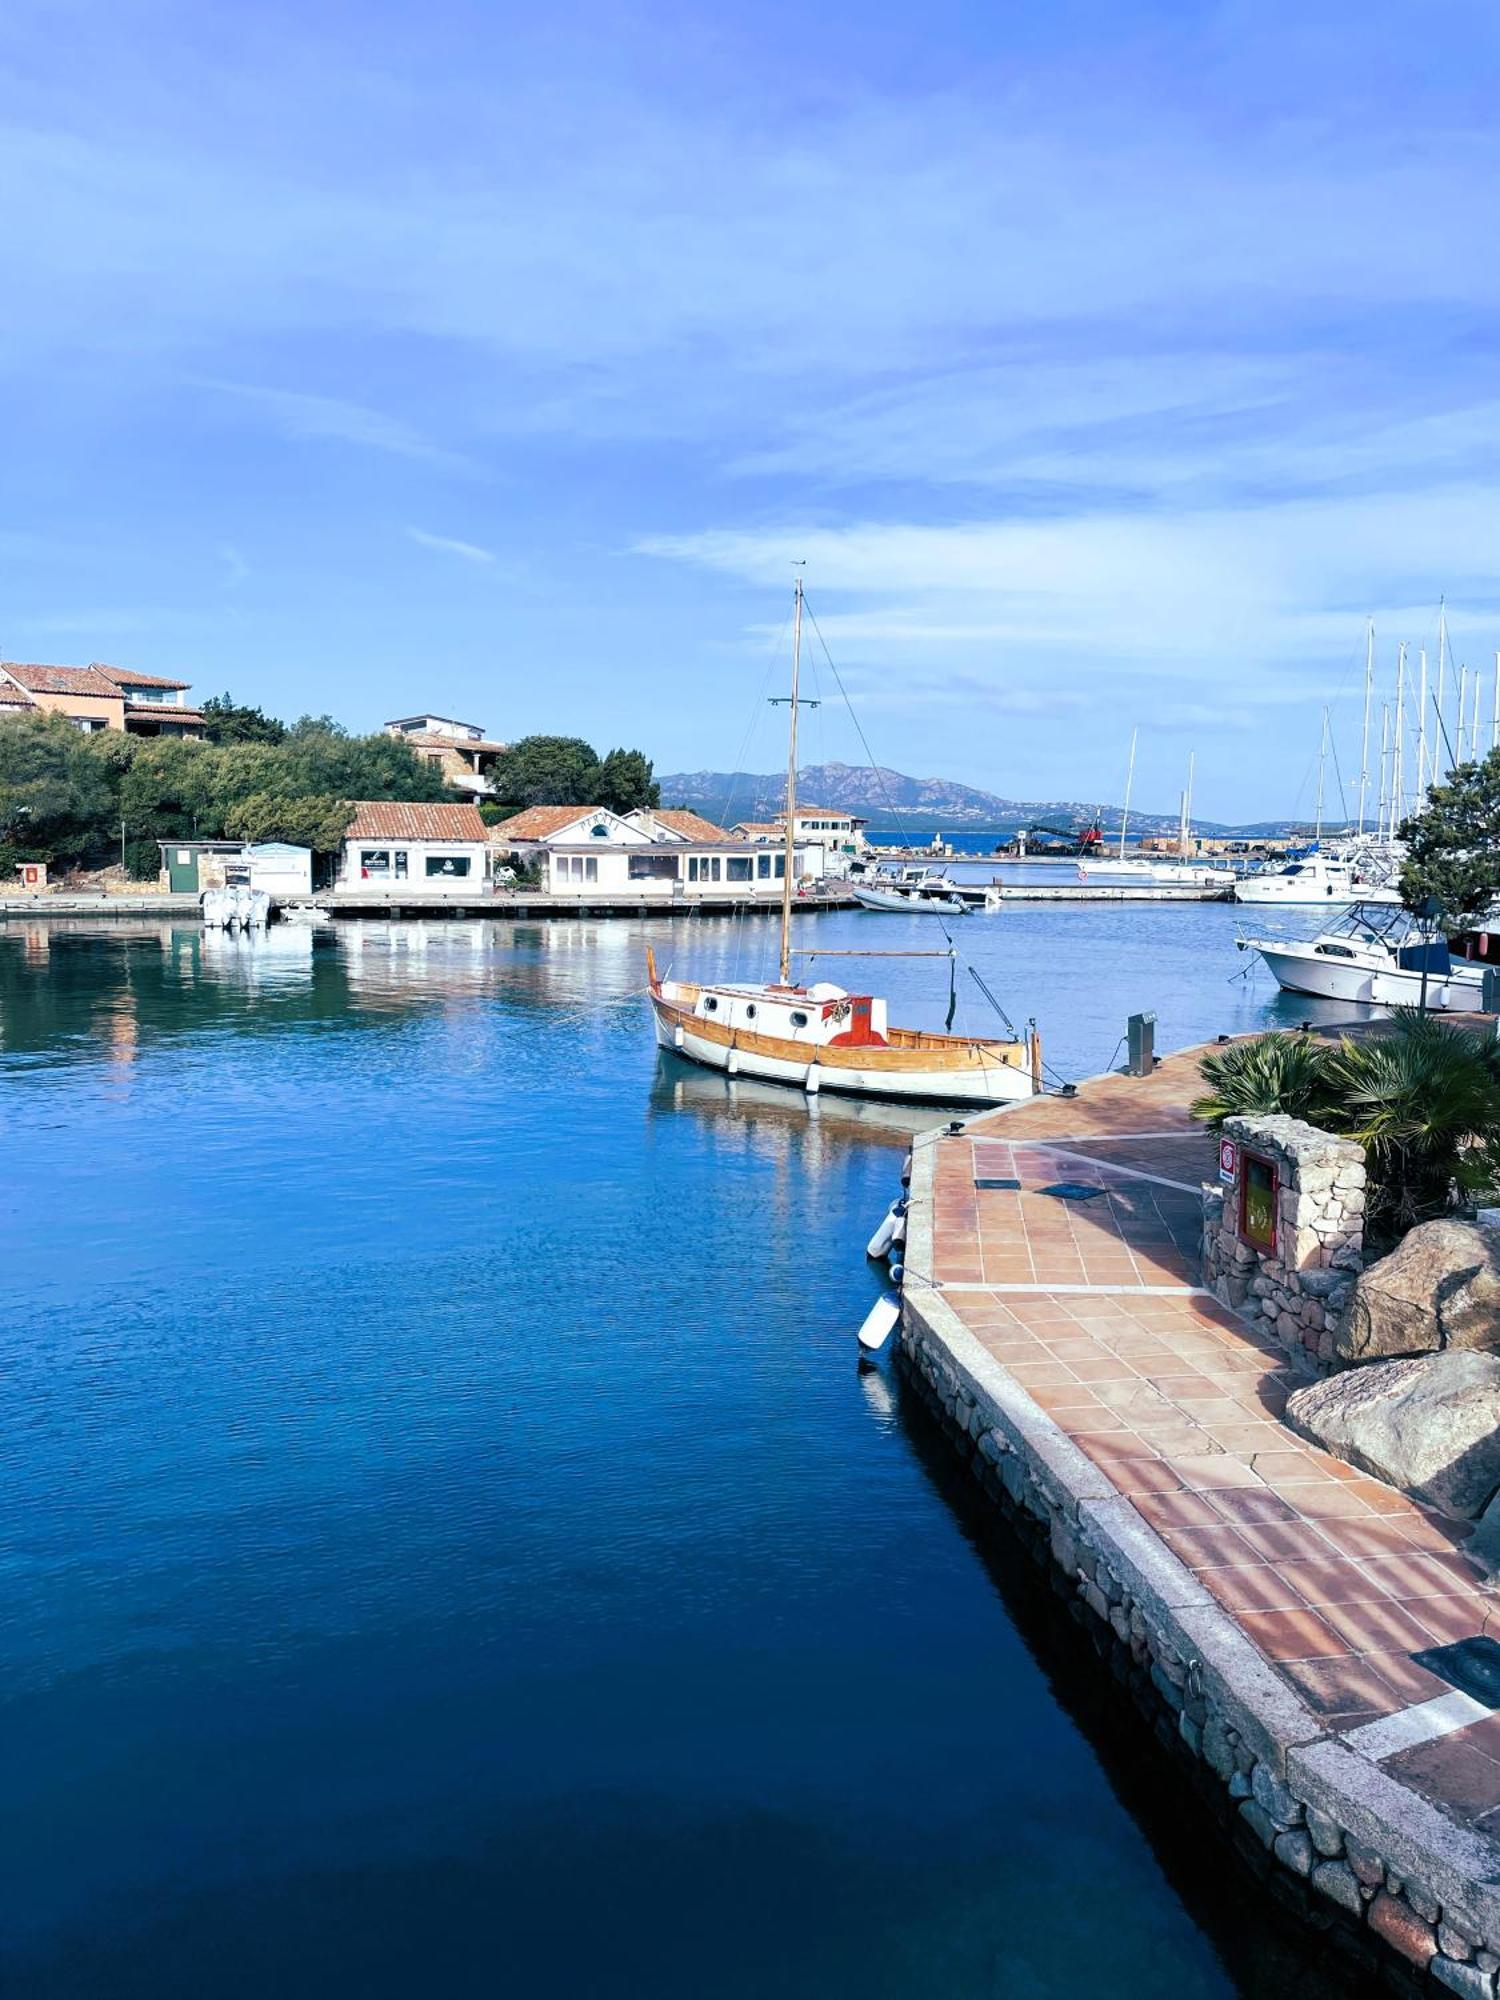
[1412, 1889]
[1298, 1289]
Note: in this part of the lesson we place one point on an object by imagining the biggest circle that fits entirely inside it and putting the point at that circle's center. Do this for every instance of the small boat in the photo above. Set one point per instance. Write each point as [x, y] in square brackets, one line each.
[921, 899]
[1374, 957]
[820, 1037]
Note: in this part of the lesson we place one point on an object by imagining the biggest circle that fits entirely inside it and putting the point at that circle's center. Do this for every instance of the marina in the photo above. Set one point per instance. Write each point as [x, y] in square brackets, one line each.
[469, 1439]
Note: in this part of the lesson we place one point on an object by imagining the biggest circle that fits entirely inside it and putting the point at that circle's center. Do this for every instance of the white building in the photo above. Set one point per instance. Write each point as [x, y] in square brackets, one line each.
[408, 851]
[588, 850]
[460, 750]
[830, 839]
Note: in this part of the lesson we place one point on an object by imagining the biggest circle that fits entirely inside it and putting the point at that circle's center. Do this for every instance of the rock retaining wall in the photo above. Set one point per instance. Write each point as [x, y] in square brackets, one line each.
[1299, 1288]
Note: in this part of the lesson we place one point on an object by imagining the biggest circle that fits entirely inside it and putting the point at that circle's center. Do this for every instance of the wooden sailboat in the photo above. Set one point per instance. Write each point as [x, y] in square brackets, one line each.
[820, 1037]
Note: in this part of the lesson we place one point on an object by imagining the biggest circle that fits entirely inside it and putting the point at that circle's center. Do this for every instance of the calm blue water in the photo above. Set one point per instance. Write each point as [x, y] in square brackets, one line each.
[451, 1547]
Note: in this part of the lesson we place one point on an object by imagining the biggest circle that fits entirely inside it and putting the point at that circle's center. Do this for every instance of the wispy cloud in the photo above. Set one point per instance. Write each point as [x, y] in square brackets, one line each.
[302, 417]
[448, 545]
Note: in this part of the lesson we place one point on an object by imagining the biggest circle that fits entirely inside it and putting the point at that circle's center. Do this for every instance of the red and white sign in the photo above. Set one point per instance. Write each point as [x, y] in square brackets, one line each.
[1229, 1160]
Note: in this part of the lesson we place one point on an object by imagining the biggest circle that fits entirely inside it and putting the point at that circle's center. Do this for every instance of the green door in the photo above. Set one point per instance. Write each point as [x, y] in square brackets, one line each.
[182, 871]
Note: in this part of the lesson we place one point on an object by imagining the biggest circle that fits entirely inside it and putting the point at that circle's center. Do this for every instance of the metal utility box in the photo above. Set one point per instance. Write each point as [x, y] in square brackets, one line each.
[1489, 990]
[1140, 1041]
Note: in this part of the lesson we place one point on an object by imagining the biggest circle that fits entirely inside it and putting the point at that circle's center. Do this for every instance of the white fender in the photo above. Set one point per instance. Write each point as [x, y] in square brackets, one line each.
[884, 1236]
[812, 1084]
[898, 1233]
[880, 1323]
[732, 1067]
[679, 1039]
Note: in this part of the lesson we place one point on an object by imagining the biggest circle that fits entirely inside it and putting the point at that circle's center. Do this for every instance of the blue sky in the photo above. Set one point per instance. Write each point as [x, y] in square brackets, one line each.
[1107, 364]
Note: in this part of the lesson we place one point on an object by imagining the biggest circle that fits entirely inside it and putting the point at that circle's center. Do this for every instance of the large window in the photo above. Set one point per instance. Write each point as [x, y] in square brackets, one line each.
[653, 868]
[763, 867]
[447, 866]
[737, 868]
[374, 861]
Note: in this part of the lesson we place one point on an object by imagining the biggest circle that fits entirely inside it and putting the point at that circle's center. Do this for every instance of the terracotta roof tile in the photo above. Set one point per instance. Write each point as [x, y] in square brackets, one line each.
[691, 825]
[125, 678]
[165, 711]
[61, 680]
[538, 822]
[397, 819]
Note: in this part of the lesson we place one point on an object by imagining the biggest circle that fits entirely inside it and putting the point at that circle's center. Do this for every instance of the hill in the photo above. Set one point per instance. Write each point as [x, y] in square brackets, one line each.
[886, 798]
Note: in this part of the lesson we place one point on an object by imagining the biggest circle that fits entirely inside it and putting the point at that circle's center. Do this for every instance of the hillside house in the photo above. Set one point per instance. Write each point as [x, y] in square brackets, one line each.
[460, 750]
[100, 697]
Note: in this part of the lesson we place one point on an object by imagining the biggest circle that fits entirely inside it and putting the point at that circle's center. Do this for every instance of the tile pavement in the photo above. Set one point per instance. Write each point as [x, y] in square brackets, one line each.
[1094, 1307]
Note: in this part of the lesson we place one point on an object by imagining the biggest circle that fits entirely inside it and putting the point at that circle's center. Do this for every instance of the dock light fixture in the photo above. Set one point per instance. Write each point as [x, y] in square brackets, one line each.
[955, 1126]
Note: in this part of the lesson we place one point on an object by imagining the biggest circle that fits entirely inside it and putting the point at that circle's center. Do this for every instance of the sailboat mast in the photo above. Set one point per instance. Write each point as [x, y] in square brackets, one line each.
[1423, 779]
[1398, 745]
[1463, 703]
[1322, 760]
[1129, 781]
[1495, 709]
[791, 793]
[1364, 738]
[1442, 677]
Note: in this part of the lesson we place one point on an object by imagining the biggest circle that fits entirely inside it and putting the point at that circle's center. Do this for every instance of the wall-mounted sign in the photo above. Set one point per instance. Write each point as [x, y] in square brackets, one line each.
[1229, 1160]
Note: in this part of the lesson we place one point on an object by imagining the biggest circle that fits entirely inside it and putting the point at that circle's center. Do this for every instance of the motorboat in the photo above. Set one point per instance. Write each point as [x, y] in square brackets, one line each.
[1316, 879]
[819, 1036]
[1374, 957]
[1163, 874]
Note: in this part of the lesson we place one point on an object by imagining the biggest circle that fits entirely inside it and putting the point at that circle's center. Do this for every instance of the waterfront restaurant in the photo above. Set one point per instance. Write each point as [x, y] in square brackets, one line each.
[405, 850]
[588, 850]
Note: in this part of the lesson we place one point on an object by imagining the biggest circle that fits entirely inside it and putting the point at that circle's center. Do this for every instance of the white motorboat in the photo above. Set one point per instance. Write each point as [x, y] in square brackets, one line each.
[1374, 957]
[1316, 879]
[1164, 874]
[821, 1037]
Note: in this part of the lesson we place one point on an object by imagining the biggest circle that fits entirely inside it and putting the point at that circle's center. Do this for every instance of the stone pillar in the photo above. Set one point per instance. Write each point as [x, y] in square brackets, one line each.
[1284, 1241]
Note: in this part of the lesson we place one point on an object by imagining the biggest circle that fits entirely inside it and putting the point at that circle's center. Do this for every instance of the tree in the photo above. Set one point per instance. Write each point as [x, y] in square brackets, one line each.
[1422, 1098]
[315, 822]
[1424, 1102]
[547, 771]
[57, 797]
[1453, 845]
[228, 721]
[624, 782]
[1263, 1076]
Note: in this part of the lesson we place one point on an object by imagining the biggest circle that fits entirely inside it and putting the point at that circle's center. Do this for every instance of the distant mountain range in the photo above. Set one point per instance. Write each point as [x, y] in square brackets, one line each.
[887, 798]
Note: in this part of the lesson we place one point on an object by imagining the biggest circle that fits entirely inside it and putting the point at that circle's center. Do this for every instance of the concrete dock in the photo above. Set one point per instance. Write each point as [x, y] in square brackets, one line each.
[505, 905]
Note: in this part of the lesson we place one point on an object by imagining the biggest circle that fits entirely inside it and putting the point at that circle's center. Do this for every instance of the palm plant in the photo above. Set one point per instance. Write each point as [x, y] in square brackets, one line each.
[1268, 1074]
[1424, 1102]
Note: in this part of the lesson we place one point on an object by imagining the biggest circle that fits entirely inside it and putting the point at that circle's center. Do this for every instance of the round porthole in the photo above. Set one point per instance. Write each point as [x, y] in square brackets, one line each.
[750, 1011]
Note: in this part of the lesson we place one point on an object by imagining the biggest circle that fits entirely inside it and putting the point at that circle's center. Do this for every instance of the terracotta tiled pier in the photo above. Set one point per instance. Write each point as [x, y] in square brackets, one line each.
[1090, 1304]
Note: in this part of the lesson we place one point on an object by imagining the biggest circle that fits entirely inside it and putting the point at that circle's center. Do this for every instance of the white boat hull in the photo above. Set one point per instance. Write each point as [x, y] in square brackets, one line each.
[895, 903]
[1300, 971]
[991, 1083]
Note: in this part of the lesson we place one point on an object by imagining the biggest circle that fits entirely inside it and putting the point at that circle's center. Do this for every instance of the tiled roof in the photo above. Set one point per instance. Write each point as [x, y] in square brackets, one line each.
[163, 711]
[61, 680]
[756, 827]
[396, 819]
[537, 822]
[691, 825]
[123, 677]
